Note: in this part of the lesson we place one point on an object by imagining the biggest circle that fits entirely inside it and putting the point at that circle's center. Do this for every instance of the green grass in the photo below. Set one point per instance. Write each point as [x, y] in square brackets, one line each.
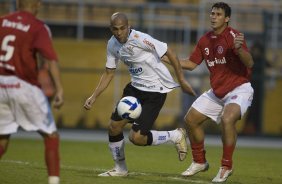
[82, 161]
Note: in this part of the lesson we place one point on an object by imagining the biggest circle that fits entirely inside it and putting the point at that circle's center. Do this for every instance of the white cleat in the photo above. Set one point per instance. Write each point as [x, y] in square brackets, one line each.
[181, 145]
[222, 175]
[114, 172]
[195, 168]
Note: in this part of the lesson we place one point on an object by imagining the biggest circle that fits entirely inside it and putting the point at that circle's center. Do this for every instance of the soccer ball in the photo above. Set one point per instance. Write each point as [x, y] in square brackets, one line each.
[129, 108]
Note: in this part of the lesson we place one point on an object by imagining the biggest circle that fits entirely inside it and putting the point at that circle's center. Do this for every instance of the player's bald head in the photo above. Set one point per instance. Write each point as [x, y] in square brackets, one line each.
[119, 17]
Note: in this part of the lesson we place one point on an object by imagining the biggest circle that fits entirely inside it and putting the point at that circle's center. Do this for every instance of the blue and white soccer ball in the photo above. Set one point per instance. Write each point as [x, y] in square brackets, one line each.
[129, 108]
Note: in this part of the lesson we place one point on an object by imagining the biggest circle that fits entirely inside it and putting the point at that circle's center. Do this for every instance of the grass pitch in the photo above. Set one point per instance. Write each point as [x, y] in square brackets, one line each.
[82, 161]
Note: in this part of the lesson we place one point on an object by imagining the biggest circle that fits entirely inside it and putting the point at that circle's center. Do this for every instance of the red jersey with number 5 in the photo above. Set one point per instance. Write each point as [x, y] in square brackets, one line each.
[22, 36]
[226, 69]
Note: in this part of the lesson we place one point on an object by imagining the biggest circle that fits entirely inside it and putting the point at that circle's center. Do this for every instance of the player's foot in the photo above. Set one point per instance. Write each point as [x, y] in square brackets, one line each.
[222, 175]
[114, 172]
[195, 168]
[53, 180]
[181, 145]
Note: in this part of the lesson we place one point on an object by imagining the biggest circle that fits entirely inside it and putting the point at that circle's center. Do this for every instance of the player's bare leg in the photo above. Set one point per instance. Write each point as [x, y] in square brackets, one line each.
[116, 145]
[194, 120]
[52, 156]
[229, 118]
[4, 142]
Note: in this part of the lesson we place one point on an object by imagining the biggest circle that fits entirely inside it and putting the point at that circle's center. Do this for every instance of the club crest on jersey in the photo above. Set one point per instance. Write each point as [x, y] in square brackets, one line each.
[220, 49]
[130, 50]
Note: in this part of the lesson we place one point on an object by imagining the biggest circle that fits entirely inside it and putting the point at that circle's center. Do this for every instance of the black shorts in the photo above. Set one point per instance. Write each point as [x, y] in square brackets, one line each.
[152, 103]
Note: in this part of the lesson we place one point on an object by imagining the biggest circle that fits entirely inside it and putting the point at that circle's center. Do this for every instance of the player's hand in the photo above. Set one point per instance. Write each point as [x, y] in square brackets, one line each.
[239, 40]
[186, 87]
[88, 103]
[58, 100]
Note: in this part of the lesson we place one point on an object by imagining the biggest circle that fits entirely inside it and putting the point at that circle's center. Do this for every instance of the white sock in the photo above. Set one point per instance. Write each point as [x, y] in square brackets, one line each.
[161, 137]
[117, 150]
[53, 180]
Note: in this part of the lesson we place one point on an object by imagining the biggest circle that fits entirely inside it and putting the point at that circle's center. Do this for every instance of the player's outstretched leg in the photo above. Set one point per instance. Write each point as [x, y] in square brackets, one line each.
[177, 137]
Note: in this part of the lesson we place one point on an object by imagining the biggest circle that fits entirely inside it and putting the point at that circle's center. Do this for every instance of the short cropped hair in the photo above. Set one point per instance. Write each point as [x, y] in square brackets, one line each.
[224, 6]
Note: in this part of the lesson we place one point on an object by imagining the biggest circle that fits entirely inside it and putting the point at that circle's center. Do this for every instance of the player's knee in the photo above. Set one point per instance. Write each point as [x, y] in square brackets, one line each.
[227, 121]
[189, 120]
[114, 129]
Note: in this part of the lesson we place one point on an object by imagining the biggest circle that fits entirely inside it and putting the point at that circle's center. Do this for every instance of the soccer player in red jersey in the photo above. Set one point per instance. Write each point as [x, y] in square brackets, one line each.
[22, 102]
[226, 55]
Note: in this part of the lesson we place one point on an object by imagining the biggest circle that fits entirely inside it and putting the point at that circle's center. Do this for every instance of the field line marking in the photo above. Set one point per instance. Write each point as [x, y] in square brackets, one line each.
[81, 168]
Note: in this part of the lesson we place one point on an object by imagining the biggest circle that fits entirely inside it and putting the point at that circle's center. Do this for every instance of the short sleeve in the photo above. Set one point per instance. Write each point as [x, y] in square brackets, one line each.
[196, 55]
[112, 60]
[43, 43]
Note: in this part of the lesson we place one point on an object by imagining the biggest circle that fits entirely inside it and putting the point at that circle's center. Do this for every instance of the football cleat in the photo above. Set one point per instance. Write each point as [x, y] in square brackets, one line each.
[195, 168]
[181, 145]
[222, 175]
[114, 172]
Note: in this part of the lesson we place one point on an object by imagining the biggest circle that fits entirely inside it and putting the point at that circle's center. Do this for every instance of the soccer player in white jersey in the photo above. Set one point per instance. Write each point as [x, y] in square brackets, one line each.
[150, 83]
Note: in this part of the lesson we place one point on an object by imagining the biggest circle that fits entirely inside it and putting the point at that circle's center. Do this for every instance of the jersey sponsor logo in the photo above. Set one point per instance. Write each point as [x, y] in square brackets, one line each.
[142, 85]
[220, 49]
[136, 71]
[17, 85]
[216, 62]
[149, 43]
[16, 25]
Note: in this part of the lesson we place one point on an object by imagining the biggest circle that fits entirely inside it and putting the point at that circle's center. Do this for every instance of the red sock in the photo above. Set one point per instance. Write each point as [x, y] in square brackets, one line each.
[52, 157]
[227, 156]
[2, 151]
[198, 152]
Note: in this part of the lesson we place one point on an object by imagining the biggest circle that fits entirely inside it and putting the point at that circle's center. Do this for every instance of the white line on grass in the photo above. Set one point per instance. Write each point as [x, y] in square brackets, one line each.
[80, 168]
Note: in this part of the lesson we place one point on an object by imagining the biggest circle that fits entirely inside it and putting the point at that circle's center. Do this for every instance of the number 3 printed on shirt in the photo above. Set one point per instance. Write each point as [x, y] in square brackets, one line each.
[207, 51]
[7, 48]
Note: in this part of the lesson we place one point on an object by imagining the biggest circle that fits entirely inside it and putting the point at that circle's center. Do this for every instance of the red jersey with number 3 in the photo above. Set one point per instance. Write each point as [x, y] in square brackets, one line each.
[226, 69]
[22, 35]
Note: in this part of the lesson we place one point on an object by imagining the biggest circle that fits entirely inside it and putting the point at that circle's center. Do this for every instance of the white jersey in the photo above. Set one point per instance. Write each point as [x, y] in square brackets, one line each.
[142, 55]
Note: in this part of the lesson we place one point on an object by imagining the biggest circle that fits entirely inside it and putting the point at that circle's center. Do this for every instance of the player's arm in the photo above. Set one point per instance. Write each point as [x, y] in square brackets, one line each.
[185, 63]
[244, 56]
[104, 82]
[174, 61]
[55, 74]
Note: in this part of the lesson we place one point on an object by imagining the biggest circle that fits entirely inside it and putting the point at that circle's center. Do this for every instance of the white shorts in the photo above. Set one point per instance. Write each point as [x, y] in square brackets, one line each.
[25, 105]
[211, 106]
